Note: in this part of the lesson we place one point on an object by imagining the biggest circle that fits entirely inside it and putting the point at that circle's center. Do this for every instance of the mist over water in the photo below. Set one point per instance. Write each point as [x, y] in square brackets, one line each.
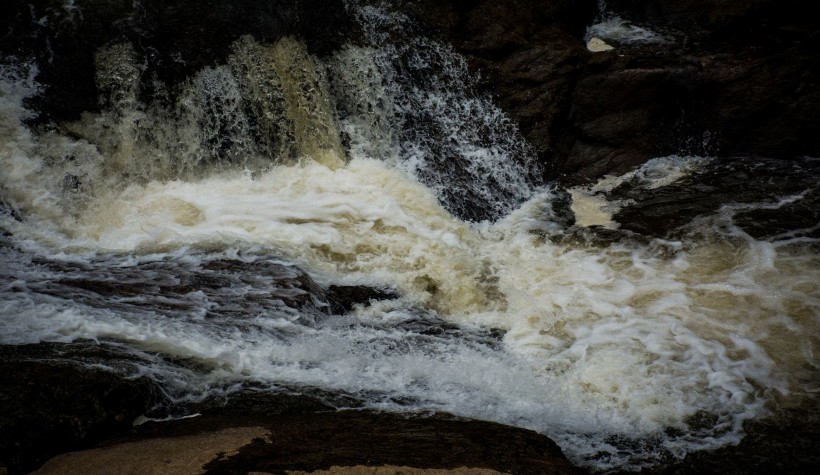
[382, 166]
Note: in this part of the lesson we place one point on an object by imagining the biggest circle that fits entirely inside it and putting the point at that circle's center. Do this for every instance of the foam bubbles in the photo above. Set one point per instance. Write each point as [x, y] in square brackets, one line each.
[620, 342]
[622, 352]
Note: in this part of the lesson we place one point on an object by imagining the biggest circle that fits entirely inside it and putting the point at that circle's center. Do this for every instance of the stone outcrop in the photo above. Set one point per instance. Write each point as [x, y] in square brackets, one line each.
[50, 402]
[735, 78]
[739, 180]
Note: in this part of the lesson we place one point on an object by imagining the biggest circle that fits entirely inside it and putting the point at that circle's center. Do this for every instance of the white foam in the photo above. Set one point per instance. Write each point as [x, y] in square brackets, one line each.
[618, 30]
[618, 341]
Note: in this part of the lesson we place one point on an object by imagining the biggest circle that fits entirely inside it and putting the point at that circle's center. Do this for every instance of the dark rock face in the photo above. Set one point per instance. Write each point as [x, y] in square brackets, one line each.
[320, 441]
[175, 38]
[760, 59]
[738, 78]
[758, 182]
[55, 400]
[787, 443]
[50, 402]
[752, 20]
[308, 435]
[628, 109]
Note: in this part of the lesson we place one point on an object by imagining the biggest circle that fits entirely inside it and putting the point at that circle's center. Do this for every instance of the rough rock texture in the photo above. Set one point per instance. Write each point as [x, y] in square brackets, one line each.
[254, 432]
[750, 180]
[786, 443]
[50, 402]
[737, 78]
[354, 438]
[759, 57]
[627, 108]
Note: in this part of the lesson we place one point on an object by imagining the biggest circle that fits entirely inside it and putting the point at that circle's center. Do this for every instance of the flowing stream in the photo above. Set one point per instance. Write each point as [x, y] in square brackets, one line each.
[183, 230]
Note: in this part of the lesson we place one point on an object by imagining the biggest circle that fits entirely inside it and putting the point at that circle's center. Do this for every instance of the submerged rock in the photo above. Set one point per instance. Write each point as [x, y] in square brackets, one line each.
[343, 298]
[787, 442]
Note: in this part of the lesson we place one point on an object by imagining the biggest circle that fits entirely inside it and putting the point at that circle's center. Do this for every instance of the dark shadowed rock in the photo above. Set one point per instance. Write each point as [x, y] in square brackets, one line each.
[745, 74]
[756, 21]
[756, 184]
[343, 298]
[630, 107]
[60, 397]
[307, 435]
[737, 78]
[320, 441]
[786, 443]
[767, 98]
[53, 403]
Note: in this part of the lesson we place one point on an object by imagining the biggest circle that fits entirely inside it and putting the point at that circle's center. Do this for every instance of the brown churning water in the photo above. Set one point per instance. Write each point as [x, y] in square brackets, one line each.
[602, 342]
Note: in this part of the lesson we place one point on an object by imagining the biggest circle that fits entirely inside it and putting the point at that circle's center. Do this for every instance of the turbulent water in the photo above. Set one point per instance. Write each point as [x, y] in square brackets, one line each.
[182, 230]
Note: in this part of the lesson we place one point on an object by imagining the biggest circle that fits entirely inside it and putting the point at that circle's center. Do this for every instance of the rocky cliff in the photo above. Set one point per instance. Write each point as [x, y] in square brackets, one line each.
[725, 78]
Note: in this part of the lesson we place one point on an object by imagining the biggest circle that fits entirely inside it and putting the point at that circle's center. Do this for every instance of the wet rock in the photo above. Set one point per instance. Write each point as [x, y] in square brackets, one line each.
[60, 397]
[233, 289]
[755, 20]
[736, 78]
[8, 211]
[628, 108]
[343, 298]
[771, 197]
[356, 438]
[767, 98]
[312, 438]
[54, 401]
[785, 443]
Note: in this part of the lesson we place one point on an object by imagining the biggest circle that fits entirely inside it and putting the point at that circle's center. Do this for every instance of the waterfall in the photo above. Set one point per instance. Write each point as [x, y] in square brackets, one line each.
[199, 228]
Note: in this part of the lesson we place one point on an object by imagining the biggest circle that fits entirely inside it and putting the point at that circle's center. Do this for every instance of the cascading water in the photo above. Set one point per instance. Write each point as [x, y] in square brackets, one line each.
[208, 206]
[612, 27]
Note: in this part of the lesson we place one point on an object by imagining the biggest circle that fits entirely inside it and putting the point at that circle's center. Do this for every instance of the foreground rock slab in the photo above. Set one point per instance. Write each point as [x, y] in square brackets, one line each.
[170, 456]
[228, 441]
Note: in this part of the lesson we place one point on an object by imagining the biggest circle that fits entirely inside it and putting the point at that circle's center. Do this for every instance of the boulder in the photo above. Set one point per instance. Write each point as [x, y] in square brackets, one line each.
[60, 397]
[305, 434]
[760, 182]
[737, 78]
